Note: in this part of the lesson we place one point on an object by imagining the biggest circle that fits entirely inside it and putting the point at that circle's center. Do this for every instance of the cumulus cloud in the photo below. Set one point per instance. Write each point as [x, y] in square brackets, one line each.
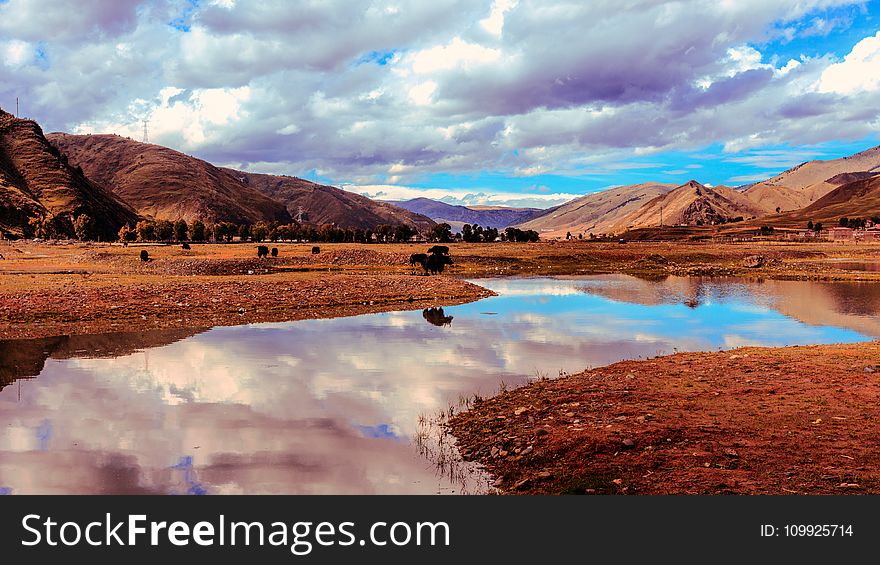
[858, 72]
[393, 92]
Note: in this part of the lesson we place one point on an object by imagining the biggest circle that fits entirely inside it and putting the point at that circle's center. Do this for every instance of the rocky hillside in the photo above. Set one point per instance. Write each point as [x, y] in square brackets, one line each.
[800, 186]
[39, 187]
[859, 199]
[692, 204]
[595, 213]
[165, 184]
[323, 204]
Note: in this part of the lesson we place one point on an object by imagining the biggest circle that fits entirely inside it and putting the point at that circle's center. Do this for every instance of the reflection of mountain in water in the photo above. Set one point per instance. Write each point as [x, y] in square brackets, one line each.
[435, 316]
[851, 305]
[25, 358]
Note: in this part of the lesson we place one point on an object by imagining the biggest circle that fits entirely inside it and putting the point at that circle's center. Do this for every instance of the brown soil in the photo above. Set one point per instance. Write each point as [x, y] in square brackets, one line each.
[71, 288]
[746, 421]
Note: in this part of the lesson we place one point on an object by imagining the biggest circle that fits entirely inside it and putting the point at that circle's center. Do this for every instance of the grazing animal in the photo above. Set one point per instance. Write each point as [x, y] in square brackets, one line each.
[435, 316]
[418, 259]
[316, 250]
[144, 255]
[274, 252]
[439, 250]
[436, 263]
[185, 246]
[262, 251]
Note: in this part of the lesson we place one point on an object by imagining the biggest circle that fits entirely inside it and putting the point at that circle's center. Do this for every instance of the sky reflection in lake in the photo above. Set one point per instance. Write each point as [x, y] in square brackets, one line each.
[331, 406]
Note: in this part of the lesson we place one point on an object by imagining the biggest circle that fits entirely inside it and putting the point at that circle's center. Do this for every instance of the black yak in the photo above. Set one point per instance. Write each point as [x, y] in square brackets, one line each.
[439, 250]
[435, 316]
[316, 250]
[144, 255]
[418, 259]
[436, 263]
[262, 251]
[274, 252]
[185, 246]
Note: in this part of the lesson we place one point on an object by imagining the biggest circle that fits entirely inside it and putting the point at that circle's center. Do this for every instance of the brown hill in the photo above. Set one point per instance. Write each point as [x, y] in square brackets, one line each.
[37, 181]
[595, 213]
[859, 199]
[691, 204]
[329, 205]
[165, 184]
[802, 185]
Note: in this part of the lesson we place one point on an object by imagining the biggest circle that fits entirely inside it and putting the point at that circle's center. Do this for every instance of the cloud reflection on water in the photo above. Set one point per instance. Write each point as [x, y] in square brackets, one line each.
[330, 406]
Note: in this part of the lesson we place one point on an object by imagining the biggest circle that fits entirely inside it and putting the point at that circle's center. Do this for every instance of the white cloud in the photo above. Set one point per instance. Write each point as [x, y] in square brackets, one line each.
[463, 197]
[858, 72]
[456, 54]
[422, 93]
[494, 22]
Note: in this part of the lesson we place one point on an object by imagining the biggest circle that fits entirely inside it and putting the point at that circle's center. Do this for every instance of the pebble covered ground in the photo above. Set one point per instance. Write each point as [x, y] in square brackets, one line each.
[793, 420]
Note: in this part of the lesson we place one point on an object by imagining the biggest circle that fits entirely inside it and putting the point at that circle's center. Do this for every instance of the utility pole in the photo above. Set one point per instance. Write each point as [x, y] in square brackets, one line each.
[16, 106]
[146, 137]
[661, 216]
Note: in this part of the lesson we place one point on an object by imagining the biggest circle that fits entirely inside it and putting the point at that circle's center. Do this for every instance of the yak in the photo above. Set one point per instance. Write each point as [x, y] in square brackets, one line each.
[436, 263]
[439, 250]
[316, 250]
[436, 317]
[262, 251]
[418, 259]
[145, 256]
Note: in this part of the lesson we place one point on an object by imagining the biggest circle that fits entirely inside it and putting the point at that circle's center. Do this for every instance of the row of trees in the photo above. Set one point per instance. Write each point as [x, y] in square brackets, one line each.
[857, 223]
[164, 230]
[167, 231]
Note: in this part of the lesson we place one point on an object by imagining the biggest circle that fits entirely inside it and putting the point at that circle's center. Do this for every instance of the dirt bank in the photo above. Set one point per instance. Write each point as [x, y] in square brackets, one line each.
[746, 421]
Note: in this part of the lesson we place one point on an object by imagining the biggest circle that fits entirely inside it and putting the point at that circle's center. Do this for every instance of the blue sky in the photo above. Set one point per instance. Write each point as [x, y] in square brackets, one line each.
[517, 102]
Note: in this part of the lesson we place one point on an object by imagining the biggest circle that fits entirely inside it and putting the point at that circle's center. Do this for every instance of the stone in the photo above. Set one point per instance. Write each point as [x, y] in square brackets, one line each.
[628, 444]
[753, 262]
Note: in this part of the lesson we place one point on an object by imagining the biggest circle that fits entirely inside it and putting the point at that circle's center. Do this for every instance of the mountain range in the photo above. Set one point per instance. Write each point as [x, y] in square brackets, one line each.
[816, 190]
[56, 178]
[456, 216]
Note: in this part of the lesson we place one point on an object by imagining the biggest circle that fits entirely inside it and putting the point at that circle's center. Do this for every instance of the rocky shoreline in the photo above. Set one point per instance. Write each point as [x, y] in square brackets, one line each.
[792, 420]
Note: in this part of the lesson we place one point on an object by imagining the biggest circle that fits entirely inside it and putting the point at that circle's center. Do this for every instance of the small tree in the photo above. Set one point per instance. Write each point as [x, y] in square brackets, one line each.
[260, 232]
[181, 230]
[197, 231]
[244, 232]
[441, 233]
[164, 230]
[403, 232]
[84, 227]
[146, 230]
[126, 234]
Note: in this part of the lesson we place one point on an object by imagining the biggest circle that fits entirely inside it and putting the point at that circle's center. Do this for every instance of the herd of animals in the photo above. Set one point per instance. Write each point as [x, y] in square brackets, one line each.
[433, 262]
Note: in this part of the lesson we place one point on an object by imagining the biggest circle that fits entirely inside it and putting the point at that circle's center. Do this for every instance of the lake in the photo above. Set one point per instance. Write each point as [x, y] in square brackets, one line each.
[338, 406]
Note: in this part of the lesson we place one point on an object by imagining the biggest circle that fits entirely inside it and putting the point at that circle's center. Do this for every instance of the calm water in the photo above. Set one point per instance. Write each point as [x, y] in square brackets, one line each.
[333, 406]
